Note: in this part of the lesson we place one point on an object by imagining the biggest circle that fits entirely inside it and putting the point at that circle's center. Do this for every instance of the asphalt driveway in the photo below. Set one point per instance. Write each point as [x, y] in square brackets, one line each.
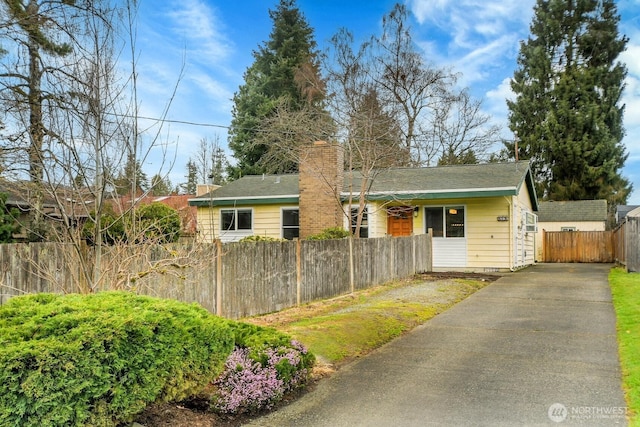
[536, 347]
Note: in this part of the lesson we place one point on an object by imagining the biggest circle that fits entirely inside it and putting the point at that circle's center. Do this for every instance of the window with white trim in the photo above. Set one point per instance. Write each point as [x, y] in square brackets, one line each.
[445, 221]
[290, 223]
[531, 223]
[236, 219]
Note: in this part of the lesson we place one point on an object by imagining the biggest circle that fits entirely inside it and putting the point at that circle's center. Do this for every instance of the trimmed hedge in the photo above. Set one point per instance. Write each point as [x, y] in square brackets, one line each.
[100, 359]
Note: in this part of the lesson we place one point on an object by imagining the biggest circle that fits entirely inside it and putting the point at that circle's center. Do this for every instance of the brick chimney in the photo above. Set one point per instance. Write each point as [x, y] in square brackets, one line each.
[321, 180]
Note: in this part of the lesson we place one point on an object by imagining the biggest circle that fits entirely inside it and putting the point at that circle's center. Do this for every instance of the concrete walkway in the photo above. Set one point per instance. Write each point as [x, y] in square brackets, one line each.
[536, 347]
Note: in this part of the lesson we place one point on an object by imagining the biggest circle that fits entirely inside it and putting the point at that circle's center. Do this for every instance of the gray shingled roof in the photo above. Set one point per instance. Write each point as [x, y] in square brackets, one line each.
[624, 210]
[451, 178]
[634, 213]
[576, 210]
[252, 186]
[481, 180]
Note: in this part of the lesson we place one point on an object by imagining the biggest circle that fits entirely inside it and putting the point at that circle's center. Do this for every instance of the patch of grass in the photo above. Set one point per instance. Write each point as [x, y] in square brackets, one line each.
[350, 326]
[625, 289]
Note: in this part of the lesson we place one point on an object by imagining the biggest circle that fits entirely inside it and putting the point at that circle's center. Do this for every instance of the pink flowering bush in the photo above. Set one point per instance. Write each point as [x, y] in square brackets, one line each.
[257, 377]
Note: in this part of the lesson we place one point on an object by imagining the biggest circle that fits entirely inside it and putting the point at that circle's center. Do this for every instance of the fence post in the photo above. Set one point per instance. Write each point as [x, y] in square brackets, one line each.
[219, 277]
[298, 271]
[413, 252]
[351, 266]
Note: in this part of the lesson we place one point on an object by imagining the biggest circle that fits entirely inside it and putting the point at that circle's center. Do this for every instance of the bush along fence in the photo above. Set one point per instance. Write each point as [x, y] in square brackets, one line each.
[233, 280]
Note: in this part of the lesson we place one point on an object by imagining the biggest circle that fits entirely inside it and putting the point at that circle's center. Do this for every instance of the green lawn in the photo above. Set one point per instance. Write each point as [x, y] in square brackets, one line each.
[350, 326]
[625, 288]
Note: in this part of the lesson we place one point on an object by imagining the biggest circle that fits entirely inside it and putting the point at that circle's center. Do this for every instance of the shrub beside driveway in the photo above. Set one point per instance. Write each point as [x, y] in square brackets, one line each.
[625, 290]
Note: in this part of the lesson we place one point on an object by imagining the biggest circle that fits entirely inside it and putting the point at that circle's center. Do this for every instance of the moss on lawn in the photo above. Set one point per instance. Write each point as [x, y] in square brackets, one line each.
[340, 329]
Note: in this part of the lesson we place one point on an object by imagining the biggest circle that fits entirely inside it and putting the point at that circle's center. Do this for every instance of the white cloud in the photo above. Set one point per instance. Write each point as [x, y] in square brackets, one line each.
[472, 21]
[496, 98]
[203, 33]
[631, 100]
[212, 89]
[631, 57]
[478, 64]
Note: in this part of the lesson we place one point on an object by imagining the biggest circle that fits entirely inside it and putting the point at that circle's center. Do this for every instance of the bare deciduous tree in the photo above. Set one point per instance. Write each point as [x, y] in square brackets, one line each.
[461, 132]
[80, 116]
[210, 161]
[408, 85]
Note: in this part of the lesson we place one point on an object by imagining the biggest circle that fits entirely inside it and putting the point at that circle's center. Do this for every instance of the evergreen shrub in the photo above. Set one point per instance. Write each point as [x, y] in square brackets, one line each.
[100, 359]
[330, 233]
[258, 238]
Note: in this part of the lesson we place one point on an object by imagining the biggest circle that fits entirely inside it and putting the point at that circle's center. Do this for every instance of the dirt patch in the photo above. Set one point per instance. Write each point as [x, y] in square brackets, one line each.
[431, 288]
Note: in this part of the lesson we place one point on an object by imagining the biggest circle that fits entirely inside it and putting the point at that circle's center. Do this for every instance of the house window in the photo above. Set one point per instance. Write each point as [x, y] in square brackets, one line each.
[532, 222]
[445, 221]
[290, 224]
[567, 229]
[364, 224]
[236, 219]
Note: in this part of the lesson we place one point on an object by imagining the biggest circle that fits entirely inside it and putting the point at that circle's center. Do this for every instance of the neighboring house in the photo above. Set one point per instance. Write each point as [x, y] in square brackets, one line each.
[623, 210]
[180, 203]
[575, 215]
[19, 196]
[482, 216]
[72, 207]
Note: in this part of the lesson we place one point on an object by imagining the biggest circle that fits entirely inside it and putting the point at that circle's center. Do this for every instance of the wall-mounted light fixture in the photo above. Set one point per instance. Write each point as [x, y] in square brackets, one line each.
[416, 210]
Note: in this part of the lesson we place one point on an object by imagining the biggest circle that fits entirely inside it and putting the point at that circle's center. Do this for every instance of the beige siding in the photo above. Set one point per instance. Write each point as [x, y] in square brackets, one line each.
[267, 220]
[208, 224]
[488, 240]
[529, 247]
[580, 226]
[379, 226]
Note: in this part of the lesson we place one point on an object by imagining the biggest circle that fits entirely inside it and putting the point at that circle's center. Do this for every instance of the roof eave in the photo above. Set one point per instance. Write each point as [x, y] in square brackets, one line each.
[244, 201]
[435, 195]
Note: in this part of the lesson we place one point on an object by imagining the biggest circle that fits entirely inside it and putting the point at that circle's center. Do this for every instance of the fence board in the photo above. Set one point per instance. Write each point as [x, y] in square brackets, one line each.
[325, 269]
[579, 246]
[632, 244]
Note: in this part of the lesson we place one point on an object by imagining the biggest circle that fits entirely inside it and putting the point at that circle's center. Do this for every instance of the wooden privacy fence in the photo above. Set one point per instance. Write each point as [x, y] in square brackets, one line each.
[578, 246]
[626, 242]
[234, 280]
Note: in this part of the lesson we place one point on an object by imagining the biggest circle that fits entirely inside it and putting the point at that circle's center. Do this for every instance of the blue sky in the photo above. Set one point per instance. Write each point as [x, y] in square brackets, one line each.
[205, 46]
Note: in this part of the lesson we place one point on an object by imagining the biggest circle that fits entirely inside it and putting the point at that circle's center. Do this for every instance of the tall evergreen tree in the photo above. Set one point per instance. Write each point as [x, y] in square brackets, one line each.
[40, 32]
[285, 67]
[375, 136]
[131, 173]
[191, 186]
[161, 186]
[567, 116]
